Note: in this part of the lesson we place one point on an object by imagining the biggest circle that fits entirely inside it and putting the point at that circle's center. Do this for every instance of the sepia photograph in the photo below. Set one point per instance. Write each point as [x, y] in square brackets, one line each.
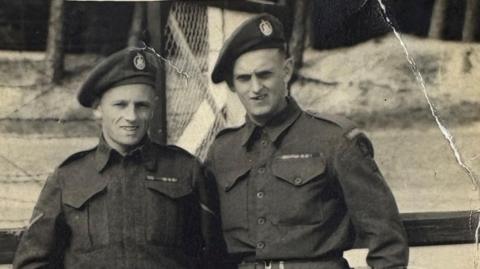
[241, 134]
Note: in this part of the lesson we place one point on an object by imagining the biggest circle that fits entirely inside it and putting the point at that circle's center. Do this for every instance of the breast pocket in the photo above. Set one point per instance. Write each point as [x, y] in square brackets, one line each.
[233, 191]
[168, 201]
[85, 215]
[298, 190]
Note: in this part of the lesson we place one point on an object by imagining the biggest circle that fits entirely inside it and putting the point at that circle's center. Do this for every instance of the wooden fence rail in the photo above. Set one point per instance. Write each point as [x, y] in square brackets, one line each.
[423, 229]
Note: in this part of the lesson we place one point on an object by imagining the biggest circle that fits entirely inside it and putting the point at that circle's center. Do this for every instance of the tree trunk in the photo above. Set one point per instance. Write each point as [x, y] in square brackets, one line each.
[437, 22]
[297, 40]
[471, 21]
[54, 55]
[138, 20]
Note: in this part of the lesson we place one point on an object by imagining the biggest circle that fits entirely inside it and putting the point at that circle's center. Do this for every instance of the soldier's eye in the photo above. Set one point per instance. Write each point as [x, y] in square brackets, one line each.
[243, 78]
[143, 105]
[120, 104]
[264, 74]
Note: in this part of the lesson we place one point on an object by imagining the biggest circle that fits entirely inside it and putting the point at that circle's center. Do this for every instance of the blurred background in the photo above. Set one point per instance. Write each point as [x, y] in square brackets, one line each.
[347, 62]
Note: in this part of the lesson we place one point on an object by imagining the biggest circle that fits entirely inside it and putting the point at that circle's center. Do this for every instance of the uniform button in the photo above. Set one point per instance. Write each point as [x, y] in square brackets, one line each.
[261, 170]
[260, 245]
[261, 221]
[264, 142]
[298, 180]
[260, 194]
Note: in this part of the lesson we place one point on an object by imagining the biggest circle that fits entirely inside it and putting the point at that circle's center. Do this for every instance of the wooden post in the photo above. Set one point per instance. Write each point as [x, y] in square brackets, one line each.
[157, 14]
[297, 40]
[137, 26]
[437, 22]
[470, 24]
[54, 56]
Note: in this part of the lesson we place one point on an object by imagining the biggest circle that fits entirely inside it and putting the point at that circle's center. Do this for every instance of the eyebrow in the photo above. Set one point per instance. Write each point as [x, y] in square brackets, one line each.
[128, 101]
[143, 103]
[261, 69]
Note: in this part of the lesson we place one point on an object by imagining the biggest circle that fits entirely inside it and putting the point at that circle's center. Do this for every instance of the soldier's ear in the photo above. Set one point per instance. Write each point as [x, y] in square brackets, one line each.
[97, 114]
[97, 110]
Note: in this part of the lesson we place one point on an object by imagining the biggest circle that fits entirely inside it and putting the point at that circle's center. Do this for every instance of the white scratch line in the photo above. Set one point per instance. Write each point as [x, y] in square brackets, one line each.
[442, 128]
[187, 76]
[177, 69]
[167, 61]
[477, 233]
[413, 67]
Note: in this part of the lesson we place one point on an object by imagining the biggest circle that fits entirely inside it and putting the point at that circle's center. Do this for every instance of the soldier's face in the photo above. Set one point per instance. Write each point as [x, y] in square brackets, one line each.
[126, 112]
[259, 79]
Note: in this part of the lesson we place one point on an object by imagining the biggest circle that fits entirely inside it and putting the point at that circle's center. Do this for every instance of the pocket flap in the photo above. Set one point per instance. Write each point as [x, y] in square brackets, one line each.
[299, 171]
[233, 176]
[76, 198]
[170, 186]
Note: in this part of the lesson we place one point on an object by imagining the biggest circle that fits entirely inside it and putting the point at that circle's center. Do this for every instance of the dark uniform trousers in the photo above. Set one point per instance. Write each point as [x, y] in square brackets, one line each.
[102, 210]
[299, 190]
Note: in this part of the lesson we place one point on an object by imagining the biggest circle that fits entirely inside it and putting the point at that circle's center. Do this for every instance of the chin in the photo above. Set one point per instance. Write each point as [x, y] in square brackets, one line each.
[130, 141]
[262, 114]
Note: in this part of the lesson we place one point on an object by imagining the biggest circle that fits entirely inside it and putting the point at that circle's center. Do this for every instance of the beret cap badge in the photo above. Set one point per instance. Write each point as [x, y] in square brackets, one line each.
[139, 61]
[130, 65]
[265, 27]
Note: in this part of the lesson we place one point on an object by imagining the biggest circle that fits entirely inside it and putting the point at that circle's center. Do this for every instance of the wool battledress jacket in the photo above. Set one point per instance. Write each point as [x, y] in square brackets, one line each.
[103, 210]
[303, 187]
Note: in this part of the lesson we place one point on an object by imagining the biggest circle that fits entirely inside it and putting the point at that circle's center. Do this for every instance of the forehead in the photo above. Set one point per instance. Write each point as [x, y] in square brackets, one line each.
[257, 59]
[132, 92]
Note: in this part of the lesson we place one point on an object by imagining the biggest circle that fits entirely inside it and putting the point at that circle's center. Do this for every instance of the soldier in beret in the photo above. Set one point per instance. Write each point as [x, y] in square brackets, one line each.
[129, 202]
[296, 188]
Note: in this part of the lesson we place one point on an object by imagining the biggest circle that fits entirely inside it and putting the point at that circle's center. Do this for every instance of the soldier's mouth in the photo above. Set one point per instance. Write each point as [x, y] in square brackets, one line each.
[258, 97]
[129, 128]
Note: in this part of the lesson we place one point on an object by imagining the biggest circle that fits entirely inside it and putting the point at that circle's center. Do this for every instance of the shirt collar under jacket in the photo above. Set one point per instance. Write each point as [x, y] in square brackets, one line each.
[145, 150]
[276, 126]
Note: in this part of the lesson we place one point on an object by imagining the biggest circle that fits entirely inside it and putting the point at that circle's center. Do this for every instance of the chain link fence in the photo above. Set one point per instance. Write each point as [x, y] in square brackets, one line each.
[193, 117]
[192, 114]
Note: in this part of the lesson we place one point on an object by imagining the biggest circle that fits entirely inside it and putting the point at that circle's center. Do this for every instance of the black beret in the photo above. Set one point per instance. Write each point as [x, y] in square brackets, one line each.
[128, 66]
[258, 32]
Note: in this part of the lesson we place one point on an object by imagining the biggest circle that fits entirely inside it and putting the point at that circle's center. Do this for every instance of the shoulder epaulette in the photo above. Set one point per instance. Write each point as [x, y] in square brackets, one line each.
[76, 156]
[349, 127]
[343, 122]
[229, 129]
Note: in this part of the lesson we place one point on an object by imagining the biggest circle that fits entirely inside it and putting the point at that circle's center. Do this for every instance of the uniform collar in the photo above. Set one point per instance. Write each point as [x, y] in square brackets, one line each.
[145, 150]
[277, 125]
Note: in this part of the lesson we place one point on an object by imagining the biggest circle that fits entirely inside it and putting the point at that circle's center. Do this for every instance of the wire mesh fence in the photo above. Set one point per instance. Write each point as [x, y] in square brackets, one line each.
[192, 113]
[193, 117]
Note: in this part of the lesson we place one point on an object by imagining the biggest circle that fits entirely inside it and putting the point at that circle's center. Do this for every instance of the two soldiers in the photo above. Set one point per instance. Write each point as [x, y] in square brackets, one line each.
[295, 188]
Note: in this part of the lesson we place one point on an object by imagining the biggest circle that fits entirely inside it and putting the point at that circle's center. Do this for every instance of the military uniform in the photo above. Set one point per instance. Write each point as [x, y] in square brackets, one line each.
[300, 189]
[147, 208]
[111, 211]
[297, 189]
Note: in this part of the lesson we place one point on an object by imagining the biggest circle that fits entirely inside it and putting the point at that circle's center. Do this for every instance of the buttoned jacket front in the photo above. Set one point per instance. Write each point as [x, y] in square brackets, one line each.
[303, 188]
[103, 210]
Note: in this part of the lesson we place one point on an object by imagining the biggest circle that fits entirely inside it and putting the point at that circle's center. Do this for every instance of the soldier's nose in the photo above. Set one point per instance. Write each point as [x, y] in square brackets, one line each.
[130, 113]
[256, 85]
